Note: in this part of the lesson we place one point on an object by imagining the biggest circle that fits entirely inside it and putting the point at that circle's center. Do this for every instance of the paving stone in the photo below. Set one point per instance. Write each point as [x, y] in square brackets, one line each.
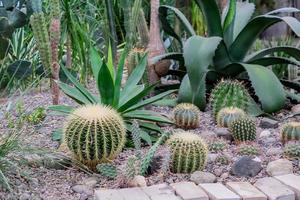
[292, 181]
[133, 194]
[104, 194]
[165, 197]
[274, 189]
[189, 191]
[161, 189]
[246, 191]
[217, 191]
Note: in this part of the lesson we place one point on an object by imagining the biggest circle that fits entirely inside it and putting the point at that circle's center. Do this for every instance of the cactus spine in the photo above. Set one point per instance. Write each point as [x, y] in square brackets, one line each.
[229, 93]
[227, 115]
[243, 129]
[186, 115]
[189, 152]
[95, 134]
[290, 132]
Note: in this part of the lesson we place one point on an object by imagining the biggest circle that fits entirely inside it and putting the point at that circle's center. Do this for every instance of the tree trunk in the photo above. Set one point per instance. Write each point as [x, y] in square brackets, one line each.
[155, 46]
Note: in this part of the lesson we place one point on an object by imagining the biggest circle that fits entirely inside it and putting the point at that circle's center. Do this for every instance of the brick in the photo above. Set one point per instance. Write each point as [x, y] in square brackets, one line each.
[246, 191]
[274, 190]
[217, 191]
[158, 189]
[165, 197]
[189, 191]
[292, 181]
[105, 194]
[133, 194]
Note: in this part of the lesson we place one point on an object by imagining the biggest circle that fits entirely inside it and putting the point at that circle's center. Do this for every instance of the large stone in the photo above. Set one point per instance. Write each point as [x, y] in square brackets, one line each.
[189, 191]
[224, 133]
[246, 191]
[82, 189]
[268, 123]
[246, 167]
[133, 194]
[274, 190]
[217, 191]
[203, 177]
[292, 181]
[280, 167]
[90, 182]
[104, 194]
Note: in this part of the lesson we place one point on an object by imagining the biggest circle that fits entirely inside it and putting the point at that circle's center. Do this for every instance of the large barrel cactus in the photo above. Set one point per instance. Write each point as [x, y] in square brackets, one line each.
[189, 152]
[186, 115]
[290, 132]
[95, 134]
[229, 93]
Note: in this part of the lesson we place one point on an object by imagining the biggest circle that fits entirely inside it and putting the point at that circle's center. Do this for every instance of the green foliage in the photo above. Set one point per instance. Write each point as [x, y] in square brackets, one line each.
[186, 115]
[129, 101]
[222, 159]
[107, 170]
[229, 93]
[248, 150]
[132, 167]
[290, 131]
[217, 146]
[227, 115]
[189, 152]
[243, 129]
[230, 40]
[36, 116]
[95, 134]
[292, 151]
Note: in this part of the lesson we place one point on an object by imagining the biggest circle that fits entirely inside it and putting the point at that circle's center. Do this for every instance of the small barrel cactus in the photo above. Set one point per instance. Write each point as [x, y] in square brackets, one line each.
[189, 152]
[217, 146]
[248, 150]
[95, 134]
[227, 115]
[228, 93]
[292, 151]
[186, 115]
[290, 132]
[243, 129]
[222, 159]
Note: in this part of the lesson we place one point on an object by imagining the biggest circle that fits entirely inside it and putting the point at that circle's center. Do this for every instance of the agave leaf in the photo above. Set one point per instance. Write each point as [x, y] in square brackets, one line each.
[267, 87]
[132, 92]
[62, 109]
[106, 85]
[291, 84]
[146, 115]
[291, 51]
[119, 76]
[269, 61]
[96, 62]
[293, 96]
[74, 93]
[283, 10]
[168, 56]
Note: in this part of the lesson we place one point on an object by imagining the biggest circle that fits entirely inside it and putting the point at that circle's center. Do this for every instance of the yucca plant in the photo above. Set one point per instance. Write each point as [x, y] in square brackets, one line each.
[224, 53]
[129, 101]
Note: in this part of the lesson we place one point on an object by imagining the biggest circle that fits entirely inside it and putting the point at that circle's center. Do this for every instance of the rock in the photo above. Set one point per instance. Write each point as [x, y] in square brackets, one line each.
[34, 182]
[91, 182]
[265, 134]
[208, 134]
[82, 189]
[274, 151]
[296, 109]
[212, 157]
[280, 167]
[137, 181]
[203, 177]
[268, 123]
[245, 167]
[218, 172]
[225, 175]
[269, 140]
[24, 196]
[224, 133]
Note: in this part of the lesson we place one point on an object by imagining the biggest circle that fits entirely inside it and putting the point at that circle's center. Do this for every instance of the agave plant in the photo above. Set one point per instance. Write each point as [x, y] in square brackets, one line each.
[129, 101]
[225, 52]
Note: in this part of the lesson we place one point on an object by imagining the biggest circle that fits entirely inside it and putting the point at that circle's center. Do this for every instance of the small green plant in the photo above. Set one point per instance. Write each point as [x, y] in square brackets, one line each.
[189, 152]
[108, 170]
[222, 159]
[292, 151]
[228, 93]
[132, 167]
[37, 116]
[248, 150]
[290, 132]
[227, 115]
[217, 146]
[95, 134]
[186, 115]
[243, 129]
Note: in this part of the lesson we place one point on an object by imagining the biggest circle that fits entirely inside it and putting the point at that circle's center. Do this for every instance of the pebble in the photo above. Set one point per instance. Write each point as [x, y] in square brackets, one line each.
[91, 182]
[274, 151]
[82, 189]
[203, 177]
[224, 133]
[225, 175]
[296, 109]
[280, 167]
[246, 167]
[218, 172]
[268, 123]
[25, 196]
[208, 134]
[212, 157]
[265, 134]
[137, 181]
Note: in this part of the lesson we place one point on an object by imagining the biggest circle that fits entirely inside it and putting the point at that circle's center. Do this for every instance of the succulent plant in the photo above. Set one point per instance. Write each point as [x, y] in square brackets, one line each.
[189, 152]
[186, 115]
[222, 159]
[227, 115]
[243, 129]
[292, 151]
[37, 116]
[217, 146]
[95, 134]
[228, 93]
[290, 132]
[108, 170]
[132, 168]
[248, 150]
